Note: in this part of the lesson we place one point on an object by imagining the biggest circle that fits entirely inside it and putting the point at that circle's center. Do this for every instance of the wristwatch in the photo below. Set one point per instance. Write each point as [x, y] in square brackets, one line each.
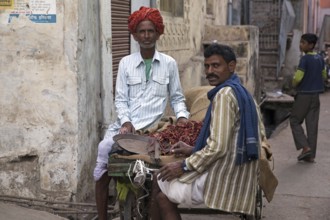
[184, 166]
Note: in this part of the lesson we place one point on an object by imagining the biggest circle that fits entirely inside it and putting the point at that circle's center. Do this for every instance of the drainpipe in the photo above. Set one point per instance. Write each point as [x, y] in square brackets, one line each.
[246, 12]
[230, 13]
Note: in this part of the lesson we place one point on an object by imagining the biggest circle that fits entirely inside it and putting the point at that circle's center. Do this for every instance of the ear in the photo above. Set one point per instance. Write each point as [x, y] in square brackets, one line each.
[232, 66]
[135, 36]
[311, 46]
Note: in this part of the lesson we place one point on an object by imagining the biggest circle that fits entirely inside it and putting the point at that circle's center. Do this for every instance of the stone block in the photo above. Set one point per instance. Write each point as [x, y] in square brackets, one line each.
[230, 33]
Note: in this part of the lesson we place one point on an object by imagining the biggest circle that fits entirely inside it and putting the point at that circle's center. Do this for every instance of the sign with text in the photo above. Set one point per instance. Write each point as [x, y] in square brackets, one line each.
[38, 11]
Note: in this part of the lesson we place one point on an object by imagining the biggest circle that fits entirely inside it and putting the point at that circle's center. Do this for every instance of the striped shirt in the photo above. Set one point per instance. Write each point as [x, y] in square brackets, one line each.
[228, 187]
[143, 101]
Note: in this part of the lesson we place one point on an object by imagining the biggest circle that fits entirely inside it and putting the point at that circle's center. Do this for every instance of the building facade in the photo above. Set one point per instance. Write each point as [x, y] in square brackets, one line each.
[57, 65]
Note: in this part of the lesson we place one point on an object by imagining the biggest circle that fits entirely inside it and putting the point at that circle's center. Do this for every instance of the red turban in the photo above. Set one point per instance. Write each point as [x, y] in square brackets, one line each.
[145, 13]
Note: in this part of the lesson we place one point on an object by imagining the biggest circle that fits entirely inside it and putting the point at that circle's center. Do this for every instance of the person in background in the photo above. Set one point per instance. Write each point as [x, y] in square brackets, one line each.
[308, 82]
[221, 170]
[145, 81]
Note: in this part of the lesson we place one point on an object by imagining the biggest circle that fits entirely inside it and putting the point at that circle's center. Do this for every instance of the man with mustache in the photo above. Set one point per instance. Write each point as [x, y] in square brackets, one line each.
[221, 170]
[145, 81]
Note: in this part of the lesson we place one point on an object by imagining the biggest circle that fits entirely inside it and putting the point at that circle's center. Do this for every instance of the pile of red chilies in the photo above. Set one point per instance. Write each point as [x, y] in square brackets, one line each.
[187, 133]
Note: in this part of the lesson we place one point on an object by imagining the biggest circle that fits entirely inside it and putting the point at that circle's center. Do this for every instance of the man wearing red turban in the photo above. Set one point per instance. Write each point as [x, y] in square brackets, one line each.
[145, 13]
[146, 79]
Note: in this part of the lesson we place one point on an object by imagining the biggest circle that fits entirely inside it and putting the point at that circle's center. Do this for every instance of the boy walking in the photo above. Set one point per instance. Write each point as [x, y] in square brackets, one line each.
[308, 81]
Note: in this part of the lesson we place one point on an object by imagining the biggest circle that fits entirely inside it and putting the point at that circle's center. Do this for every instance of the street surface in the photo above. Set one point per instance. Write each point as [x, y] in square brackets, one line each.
[303, 192]
[14, 212]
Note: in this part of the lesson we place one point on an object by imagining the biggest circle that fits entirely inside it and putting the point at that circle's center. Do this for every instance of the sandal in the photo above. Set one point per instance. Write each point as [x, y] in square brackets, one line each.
[305, 155]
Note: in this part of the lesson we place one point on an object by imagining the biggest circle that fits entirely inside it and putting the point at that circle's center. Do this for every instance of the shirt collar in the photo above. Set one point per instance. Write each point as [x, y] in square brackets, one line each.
[140, 59]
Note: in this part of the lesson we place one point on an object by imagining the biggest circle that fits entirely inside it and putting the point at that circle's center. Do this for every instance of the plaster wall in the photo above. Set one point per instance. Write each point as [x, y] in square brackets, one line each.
[49, 102]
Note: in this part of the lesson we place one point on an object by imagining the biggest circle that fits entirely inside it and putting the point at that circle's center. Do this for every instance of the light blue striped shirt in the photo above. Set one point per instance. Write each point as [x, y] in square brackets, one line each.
[143, 102]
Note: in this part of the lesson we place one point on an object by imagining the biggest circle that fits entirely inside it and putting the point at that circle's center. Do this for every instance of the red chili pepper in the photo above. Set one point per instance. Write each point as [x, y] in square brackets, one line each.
[187, 133]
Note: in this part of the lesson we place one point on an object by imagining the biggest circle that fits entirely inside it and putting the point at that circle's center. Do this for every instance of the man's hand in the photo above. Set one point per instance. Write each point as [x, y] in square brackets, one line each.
[181, 149]
[182, 120]
[170, 171]
[126, 128]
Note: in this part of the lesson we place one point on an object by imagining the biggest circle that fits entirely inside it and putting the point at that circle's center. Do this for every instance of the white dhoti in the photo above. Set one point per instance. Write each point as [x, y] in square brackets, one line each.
[104, 149]
[184, 193]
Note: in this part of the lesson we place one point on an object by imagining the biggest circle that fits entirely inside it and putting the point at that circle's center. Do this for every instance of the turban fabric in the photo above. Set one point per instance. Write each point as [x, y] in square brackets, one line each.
[145, 13]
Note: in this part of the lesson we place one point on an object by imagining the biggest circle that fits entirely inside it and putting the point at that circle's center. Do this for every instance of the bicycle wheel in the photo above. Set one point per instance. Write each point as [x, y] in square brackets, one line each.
[126, 207]
[134, 208]
[258, 208]
[259, 204]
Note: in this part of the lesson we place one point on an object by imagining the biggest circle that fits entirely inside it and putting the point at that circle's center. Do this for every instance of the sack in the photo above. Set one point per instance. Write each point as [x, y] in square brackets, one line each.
[267, 180]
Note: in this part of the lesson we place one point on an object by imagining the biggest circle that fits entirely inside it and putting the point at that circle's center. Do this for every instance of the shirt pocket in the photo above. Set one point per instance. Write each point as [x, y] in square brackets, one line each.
[134, 86]
[160, 85]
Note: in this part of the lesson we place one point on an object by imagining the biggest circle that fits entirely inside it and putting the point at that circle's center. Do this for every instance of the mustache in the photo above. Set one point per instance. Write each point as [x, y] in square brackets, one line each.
[211, 75]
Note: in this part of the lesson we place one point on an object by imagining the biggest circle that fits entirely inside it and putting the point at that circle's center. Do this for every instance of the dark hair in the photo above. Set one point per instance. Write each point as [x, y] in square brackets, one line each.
[225, 51]
[310, 38]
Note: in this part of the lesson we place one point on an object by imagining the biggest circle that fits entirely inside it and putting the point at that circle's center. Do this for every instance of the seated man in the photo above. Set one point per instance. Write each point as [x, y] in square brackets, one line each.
[146, 80]
[221, 170]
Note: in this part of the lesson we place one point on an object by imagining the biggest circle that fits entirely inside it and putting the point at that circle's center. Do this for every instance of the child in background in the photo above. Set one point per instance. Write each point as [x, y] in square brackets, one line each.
[308, 81]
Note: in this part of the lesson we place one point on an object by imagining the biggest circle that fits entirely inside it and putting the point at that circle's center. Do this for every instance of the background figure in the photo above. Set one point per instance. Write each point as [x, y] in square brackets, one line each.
[221, 170]
[309, 82]
[145, 80]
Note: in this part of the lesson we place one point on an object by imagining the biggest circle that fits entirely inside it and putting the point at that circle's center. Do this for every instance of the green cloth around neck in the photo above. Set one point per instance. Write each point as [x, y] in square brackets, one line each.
[148, 62]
